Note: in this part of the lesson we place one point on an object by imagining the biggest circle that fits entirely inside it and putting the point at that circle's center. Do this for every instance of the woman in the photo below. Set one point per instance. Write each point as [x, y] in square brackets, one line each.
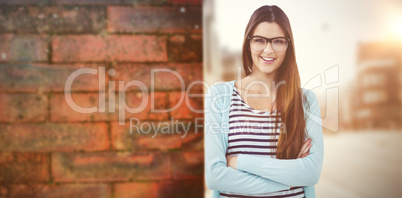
[269, 144]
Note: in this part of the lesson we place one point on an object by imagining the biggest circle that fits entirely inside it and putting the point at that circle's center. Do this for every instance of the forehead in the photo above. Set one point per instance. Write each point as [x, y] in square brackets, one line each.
[268, 30]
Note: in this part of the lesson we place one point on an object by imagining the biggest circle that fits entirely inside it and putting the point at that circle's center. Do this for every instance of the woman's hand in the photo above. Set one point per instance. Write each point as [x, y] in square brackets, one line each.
[305, 150]
[231, 161]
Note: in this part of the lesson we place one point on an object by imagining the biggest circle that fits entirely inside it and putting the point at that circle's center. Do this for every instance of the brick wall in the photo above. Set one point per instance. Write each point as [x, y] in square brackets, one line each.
[47, 149]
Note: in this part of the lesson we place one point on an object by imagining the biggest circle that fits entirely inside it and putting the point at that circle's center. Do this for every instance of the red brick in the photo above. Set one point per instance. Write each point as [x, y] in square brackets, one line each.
[61, 190]
[60, 110]
[188, 72]
[154, 19]
[60, 19]
[134, 99]
[85, 2]
[188, 108]
[110, 166]
[185, 2]
[23, 48]
[25, 168]
[76, 19]
[136, 48]
[183, 48]
[183, 188]
[143, 138]
[44, 78]
[53, 137]
[23, 19]
[25, 2]
[188, 165]
[143, 189]
[136, 3]
[188, 188]
[23, 107]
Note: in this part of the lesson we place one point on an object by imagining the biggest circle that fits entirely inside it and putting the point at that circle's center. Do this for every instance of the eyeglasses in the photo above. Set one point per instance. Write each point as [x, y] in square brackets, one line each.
[279, 44]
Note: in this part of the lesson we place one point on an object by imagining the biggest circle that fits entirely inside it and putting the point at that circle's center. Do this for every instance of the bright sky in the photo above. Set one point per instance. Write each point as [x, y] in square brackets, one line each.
[326, 32]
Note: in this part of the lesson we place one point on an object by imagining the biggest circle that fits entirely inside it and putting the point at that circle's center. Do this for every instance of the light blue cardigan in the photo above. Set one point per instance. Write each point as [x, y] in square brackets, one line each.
[254, 174]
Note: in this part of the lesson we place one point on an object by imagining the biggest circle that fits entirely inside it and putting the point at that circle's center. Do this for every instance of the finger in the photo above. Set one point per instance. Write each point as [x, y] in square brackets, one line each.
[306, 153]
[302, 150]
[304, 147]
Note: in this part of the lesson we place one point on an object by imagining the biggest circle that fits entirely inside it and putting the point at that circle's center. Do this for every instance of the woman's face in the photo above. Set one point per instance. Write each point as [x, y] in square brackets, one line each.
[262, 59]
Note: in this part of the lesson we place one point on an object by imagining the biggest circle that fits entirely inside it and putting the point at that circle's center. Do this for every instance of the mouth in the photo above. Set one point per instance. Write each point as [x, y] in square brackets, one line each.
[268, 60]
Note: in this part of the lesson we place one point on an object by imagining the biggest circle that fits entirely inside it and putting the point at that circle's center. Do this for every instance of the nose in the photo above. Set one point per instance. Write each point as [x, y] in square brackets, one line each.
[268, 48]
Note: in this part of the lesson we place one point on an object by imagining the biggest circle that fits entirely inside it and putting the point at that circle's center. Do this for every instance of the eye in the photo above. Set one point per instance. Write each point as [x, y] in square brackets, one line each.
[280, 41]
[258, 40]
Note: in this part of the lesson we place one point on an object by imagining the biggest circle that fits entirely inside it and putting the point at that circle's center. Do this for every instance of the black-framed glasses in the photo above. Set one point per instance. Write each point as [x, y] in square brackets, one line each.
[279, 44]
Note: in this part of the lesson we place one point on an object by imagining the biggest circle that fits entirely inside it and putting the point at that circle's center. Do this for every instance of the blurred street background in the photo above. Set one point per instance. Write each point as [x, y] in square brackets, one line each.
[349, 53]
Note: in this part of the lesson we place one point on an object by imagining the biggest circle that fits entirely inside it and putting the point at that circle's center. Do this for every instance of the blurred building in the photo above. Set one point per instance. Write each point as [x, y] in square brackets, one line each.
[377, 91]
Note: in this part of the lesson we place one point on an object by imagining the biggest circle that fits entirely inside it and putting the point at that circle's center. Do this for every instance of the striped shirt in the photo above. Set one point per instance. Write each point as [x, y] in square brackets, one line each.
[252, 132]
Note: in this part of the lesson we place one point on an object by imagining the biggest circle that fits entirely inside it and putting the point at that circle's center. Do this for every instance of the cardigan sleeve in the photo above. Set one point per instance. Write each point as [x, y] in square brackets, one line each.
[218, 176]
[294, 172]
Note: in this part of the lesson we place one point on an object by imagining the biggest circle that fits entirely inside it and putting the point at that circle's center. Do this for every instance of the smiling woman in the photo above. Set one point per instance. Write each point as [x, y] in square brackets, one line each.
[267, 144]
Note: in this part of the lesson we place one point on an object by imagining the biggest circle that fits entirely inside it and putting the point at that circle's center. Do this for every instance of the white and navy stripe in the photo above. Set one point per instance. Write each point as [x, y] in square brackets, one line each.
[252, 132]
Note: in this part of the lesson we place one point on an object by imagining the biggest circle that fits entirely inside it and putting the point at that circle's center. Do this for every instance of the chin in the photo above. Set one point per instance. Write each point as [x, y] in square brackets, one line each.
[268, 70]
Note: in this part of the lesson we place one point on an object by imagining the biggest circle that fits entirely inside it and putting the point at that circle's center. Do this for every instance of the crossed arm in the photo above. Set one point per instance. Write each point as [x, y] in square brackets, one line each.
[217, 175]
[260, 174]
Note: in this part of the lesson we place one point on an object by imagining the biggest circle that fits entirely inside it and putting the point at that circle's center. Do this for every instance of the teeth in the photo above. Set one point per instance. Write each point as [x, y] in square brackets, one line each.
[268, 59]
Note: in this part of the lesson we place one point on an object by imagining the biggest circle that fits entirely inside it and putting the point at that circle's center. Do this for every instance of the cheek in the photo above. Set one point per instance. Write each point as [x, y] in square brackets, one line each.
[255, 55]
[282, 57]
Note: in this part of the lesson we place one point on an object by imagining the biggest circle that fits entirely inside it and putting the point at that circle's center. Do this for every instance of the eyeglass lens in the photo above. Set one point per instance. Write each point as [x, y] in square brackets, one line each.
[278, 44]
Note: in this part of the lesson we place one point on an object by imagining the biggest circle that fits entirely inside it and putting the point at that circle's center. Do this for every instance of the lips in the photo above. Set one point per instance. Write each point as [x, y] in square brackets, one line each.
[268, 59]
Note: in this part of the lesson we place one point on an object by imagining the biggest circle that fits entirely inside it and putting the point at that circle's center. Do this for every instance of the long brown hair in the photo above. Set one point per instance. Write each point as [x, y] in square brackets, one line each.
[289, 101]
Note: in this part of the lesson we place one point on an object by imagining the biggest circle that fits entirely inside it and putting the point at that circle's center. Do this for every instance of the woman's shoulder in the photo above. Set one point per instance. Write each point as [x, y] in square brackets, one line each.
[310, 98]
[309, 94]
[221, 87]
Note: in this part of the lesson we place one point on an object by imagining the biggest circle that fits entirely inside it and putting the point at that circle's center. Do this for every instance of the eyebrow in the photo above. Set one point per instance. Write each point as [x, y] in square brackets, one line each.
[268, 38]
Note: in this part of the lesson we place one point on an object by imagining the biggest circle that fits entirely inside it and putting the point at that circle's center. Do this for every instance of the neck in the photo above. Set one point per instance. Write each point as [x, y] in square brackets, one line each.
[259, 82]
[267, 79]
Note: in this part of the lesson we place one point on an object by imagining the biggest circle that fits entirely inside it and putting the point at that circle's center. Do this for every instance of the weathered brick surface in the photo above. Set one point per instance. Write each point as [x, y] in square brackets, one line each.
[143, 189]
[154, 19]
[179, 189]
[23, 107]
[61, 19]
[188, 188]
[60, 110]
[163, 135]
[44, 78]
[23, 19]
[185, 48]
[137, 3]
[143, 110]
[185, 106]
[185, 2]
[84, 2]
[59, 191]
[188, 165]
[138, 48]
[166, 76]
[23, 47]
[25, 2]
[76, 19]
[110, 166]
[49, 149]
[24, 168]
[53, 137]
